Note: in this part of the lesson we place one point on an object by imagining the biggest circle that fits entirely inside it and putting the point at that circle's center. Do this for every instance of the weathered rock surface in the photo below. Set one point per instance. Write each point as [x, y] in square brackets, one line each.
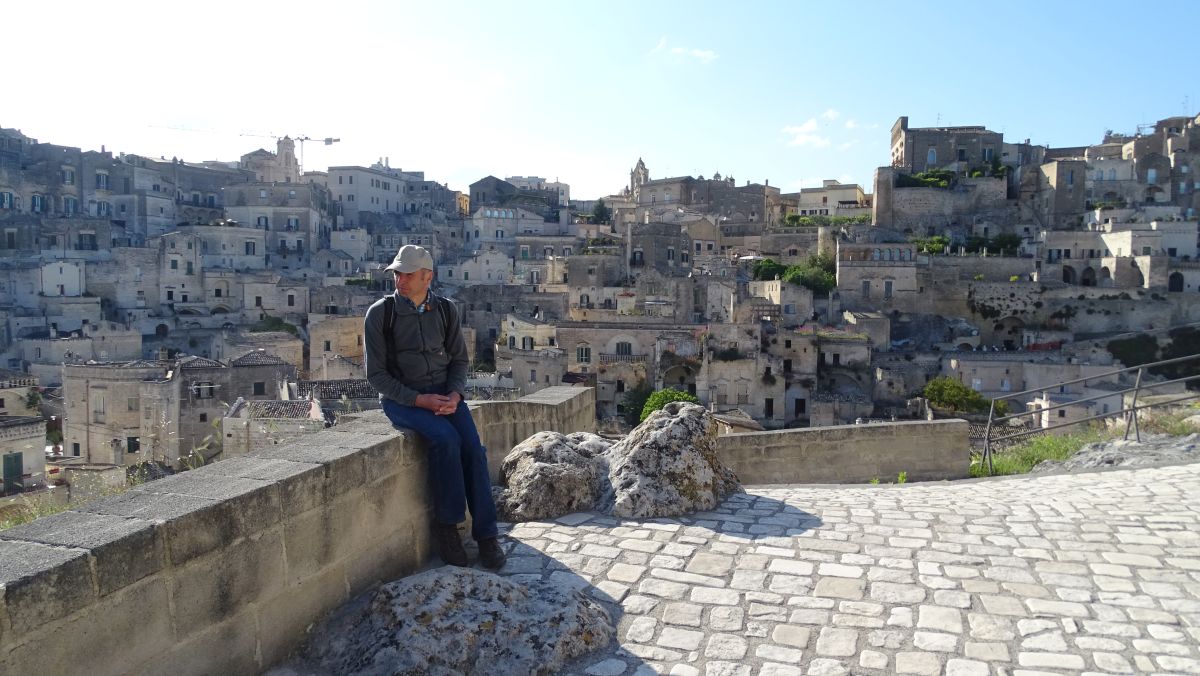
[666, 467]
[557, 474]
[1153, 449]
[461, 621]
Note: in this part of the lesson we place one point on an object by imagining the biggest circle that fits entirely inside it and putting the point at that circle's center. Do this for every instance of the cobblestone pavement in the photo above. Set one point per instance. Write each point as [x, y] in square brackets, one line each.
[1096, 572]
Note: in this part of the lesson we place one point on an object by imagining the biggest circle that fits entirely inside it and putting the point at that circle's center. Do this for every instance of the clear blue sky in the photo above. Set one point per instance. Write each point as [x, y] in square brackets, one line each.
[790, 92]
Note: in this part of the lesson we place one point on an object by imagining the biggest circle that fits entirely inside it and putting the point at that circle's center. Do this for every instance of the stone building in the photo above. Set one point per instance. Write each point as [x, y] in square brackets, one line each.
[256, 424]
[296, 217]
[335, 335]
[958, 149]
[877, 276]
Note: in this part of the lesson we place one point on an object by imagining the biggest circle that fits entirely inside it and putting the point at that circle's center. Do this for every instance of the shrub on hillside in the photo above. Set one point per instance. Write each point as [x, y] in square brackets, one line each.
[950, 394]
[663, 397]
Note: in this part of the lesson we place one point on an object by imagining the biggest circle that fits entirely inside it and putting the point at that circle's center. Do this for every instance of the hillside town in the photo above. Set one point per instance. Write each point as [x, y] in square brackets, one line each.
[168, 312]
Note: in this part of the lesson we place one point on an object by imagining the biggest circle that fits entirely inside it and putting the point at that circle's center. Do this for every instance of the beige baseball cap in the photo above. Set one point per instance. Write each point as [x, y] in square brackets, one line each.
[411, 258]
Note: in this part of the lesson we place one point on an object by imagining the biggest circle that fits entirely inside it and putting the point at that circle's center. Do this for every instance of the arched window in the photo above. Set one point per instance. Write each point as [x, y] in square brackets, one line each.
[875, 254]
[931, 157]
[624, 348]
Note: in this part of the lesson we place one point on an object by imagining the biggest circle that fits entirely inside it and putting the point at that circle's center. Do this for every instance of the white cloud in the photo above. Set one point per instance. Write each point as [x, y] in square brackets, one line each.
[701, 55]
[848, 144]
[803, 135]
[831, 114]
[852, 123]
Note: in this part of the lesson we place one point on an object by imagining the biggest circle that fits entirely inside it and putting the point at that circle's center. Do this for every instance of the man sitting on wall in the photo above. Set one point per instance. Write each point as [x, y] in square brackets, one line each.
[416, 359]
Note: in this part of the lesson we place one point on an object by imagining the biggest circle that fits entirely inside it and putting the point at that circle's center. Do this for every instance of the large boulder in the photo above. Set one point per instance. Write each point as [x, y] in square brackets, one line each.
[548, 475]
[666, 467]
[461, 621]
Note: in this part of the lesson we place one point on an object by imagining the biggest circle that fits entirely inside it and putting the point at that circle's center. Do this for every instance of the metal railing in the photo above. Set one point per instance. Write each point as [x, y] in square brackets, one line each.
[1130, 412]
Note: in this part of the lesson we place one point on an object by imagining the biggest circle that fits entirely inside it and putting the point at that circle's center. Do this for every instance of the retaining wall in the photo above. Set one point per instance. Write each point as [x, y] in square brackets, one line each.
[221, 570]
[926, 451]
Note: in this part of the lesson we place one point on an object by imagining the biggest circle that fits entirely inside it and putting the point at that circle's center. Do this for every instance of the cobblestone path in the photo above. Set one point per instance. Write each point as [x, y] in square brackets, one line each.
[1096, 572]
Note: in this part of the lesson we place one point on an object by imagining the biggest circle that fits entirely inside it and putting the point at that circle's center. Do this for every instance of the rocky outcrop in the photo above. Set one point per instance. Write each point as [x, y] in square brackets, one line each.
[1153, 449]
[557, 474]
[462, 621]
[667, 466]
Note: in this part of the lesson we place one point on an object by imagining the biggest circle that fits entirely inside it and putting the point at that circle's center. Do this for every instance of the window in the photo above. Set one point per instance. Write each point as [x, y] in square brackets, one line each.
[1151, 176]
[260, 388]
[1145, 251]
[203, 417]
[533, 375]
[291, 300]
[68, 176]
[174, 264]
[887, 289]
[787, 365]
[203, 390]
[262, 193]
[1062, 412]
[583, 354]
[866, 288]
[37, 204]
[216, 293]
[190, 268]
[962, 154]
[70, 206]
[101, 180]
[931, 156]
[624, 348]
[526, 343]
[988, 154]
[250, 248]
[769, 407]
[258, 301]
[170, 295]
[670, 253]
[328, 346]
[98, 407]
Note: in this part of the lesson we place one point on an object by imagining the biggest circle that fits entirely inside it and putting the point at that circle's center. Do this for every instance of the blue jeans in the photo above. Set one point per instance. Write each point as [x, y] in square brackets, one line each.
[458, 470]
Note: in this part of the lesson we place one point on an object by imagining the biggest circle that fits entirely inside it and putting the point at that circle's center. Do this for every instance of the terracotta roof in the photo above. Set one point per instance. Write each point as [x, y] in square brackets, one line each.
[278, 409]
[257, 358]
[333, 390]
[199, 363]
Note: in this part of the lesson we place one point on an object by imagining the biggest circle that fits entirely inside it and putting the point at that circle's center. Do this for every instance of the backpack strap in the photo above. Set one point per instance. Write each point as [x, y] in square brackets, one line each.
[389, 317]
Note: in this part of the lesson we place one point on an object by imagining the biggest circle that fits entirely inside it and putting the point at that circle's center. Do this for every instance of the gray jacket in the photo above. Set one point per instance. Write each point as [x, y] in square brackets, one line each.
[429, 353]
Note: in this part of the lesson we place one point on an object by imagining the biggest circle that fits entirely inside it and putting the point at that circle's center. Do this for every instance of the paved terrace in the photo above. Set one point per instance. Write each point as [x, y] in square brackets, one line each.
[1096, 572]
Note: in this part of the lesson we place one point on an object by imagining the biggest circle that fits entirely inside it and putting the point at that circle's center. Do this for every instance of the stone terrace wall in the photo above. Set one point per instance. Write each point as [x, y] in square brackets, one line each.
[927, 451]
[222, 569]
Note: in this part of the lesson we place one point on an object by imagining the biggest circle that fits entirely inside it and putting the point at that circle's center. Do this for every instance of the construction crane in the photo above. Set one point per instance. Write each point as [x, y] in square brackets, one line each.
[328, 140]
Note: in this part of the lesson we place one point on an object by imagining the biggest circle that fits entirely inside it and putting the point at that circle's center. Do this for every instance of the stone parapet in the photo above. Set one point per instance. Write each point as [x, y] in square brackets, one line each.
[925, 451]
[223, 569]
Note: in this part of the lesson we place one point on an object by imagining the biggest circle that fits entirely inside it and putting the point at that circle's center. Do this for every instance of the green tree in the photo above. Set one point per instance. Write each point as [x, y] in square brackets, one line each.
[932, 245]
[1007, 243]
[767, 269]
[662, 398]
[818, 274]
[600, 212]
[634, 401]
[948, 393]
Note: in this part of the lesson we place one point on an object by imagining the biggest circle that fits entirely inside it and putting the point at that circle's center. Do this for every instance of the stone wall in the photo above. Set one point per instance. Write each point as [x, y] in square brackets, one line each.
[222, 569]
[926, 451]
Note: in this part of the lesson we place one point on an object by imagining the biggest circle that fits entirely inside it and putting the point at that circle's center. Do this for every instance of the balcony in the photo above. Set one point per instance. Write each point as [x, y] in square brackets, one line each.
[606, 358]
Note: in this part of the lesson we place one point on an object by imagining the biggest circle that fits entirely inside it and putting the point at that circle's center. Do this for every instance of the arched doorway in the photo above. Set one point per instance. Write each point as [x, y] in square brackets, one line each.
[1088, 278]
[681, 378]
[1105, 280]
[161, 330]
[1069, 275]
[1175, 282]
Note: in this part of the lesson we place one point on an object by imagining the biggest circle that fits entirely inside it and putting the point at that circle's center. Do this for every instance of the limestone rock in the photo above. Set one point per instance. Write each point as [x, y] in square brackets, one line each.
[462, 621]
[1153, 449]
[548, 475]
[667, 466]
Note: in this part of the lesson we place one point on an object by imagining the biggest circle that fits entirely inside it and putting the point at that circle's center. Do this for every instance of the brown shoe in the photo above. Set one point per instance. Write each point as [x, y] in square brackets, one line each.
[491, 555]
[449, 545]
